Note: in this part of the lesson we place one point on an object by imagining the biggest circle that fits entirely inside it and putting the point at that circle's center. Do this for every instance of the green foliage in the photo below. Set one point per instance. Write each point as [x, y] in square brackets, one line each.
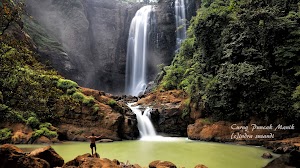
[44, 131]
[186, 108]
[33, 122]
[81, 98]
[66, 84]
[71, 91]
[78, 96]
[112, 103]
[37, 133]
[1, 97]
[28, 89]
[241, 59]
[96, 108]
[296, 98]
[48, 133]
[88, 101]
[45, 125]
[5, 134]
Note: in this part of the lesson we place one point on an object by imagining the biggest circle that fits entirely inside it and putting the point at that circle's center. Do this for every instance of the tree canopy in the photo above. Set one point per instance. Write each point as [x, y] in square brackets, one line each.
[241, 59]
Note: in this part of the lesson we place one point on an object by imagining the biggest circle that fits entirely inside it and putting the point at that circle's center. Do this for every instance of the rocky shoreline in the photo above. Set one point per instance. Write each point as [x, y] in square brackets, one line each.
[46, 157]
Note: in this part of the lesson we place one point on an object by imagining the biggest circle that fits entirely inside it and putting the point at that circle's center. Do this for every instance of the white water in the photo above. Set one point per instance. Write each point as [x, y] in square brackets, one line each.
[145, 125]
[180, 22]
[137, 50]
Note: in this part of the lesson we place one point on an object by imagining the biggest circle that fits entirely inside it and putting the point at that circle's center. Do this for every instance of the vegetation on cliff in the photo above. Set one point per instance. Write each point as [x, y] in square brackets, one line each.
[31, 93]
[241, 60]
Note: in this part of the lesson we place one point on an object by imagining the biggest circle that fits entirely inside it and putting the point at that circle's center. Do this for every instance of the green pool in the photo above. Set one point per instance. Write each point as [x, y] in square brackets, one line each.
[180, 151]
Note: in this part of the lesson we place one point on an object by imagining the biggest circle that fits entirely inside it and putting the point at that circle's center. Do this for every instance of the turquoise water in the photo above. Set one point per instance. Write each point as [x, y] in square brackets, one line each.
[181, 151]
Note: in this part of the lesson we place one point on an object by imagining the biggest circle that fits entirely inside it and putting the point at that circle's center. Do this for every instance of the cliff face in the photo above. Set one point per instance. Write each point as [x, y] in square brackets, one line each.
[85, 40]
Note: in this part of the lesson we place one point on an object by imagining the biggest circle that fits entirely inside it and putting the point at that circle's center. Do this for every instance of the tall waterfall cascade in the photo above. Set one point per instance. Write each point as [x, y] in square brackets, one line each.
[137, 51]
[180, 16]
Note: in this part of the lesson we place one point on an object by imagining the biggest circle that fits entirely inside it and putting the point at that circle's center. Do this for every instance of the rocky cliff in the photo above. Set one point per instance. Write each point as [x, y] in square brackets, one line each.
[86, 40]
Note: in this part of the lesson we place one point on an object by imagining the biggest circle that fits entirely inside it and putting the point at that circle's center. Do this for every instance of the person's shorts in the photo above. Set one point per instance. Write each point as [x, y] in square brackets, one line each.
[92, 145]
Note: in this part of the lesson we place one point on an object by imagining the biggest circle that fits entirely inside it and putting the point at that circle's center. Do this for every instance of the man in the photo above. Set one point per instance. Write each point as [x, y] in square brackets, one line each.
[93, 143]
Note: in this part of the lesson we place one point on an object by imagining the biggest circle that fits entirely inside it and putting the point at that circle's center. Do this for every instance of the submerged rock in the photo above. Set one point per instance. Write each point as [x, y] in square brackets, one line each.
[267, 155]
[200, 166]
[162, 164]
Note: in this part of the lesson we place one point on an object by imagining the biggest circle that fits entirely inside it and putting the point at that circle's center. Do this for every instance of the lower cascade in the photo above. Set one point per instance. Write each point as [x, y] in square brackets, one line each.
[145, 125]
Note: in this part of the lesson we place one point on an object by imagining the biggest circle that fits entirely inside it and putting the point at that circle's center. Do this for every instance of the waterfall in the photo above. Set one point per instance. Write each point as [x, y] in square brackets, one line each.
[137, 51]
[145, 125]
[180, 22]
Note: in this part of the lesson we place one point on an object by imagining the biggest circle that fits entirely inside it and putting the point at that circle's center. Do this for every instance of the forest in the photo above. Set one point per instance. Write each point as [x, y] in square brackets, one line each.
[241, 60]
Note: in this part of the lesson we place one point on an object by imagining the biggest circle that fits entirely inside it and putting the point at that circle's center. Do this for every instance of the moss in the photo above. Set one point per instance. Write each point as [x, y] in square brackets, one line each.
[112, 103]
[88, 101]
[66, 84]
[96, 108]
[81, 98]
[71, 91]
[78, 96]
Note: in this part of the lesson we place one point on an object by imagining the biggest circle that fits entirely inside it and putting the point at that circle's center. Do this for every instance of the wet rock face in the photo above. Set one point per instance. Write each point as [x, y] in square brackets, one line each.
[162, 37]
[170, 120]
[85, 40]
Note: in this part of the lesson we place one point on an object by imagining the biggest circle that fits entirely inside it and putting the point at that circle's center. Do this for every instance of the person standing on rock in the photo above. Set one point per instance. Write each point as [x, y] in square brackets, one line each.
[93, 142]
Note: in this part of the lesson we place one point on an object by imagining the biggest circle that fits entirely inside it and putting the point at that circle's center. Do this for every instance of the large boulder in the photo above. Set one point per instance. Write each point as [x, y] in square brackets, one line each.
[89, 161]
[32, 162]
[286, 160]
[48, 153]
[203, 130]
[13, 157]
